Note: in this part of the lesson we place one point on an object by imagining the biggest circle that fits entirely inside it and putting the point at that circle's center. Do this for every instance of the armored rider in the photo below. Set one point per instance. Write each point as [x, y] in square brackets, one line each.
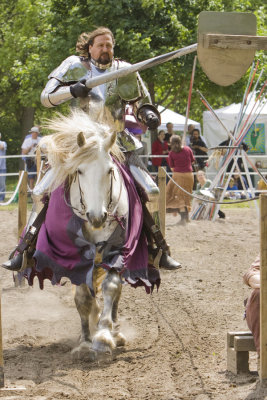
[106, 103]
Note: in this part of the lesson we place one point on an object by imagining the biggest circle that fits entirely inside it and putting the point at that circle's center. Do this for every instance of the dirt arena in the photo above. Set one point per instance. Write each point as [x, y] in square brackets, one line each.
[176, 347]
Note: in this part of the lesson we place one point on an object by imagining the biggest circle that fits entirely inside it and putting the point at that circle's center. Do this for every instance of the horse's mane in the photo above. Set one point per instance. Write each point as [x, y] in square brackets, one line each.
[62, 149]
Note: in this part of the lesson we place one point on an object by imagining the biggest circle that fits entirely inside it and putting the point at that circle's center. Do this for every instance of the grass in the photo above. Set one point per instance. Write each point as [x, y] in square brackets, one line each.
[11, 184]
[239, 205]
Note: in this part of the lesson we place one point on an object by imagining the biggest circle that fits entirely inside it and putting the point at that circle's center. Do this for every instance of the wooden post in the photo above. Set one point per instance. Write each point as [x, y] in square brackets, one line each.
[22, 211]
[263, 289]
[38, 160]
[162, 198]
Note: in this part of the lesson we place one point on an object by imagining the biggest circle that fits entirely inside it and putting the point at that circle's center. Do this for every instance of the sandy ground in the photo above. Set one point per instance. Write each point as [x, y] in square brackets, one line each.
[176, 347]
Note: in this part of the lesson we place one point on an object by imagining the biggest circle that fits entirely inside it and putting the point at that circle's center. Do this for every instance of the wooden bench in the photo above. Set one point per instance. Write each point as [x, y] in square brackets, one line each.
[239, 344]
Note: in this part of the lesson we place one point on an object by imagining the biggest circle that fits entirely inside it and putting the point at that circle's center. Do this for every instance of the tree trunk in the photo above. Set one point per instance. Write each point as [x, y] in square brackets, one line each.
[27, 119]
[151, 89]
[26, 123]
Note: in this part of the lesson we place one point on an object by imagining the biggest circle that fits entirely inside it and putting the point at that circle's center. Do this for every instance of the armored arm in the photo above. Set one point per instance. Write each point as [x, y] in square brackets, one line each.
[64, 83]
[55, 93]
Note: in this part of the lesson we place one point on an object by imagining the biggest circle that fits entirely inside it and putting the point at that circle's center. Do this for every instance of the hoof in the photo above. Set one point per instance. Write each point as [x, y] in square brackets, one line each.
[84, 352]
[103, 343]
[120, 339]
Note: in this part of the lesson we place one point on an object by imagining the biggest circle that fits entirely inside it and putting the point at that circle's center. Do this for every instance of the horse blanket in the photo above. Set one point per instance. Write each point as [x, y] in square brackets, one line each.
[62, 249]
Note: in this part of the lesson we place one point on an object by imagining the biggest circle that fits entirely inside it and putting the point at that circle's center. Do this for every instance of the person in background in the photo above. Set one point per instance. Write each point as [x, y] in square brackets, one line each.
[160, 148]
[252, 304]
[180, 161]
[188, 137]
[261, 185]
[199, 148]
[29, 147]
[3, 147]
[169, 133]
[203, 182]
[232, 190]
[241, 183]
[243, 146]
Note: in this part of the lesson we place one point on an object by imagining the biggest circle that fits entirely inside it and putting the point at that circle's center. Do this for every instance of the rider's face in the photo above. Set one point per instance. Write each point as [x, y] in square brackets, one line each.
[102, 49]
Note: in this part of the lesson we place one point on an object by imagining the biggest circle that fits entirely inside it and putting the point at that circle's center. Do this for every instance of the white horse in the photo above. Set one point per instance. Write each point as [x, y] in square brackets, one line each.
[82, 152]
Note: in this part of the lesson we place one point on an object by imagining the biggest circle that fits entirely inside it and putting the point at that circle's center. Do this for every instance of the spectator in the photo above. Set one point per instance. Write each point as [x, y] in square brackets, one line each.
[180, 161]
[252, 312]
[29, 147]
[232, 190]
[203, 183]
[3, 147]
[159, 148]
[239, 159]
[188, 138]
[261, 185]
[169, 133]
[242, 184]
[240, 180]
[199, 148]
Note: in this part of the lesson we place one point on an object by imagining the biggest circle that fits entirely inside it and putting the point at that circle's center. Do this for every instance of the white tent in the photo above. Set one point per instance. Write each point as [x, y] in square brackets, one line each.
[178, 120]
[214, 133]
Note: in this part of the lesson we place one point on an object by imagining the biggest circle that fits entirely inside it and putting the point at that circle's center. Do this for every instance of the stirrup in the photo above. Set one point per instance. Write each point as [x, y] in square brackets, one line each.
[163, 260]
[20, 262]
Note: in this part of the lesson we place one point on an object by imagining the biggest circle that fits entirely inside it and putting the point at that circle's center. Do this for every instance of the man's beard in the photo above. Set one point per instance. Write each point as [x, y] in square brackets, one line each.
[104, 59]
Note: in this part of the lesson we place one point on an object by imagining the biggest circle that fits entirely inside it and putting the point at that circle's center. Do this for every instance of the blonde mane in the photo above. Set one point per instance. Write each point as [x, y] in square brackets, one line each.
[62, 149]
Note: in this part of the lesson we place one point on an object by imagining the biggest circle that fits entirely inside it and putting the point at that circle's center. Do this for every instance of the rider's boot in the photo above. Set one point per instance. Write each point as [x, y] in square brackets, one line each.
[167, 262]
[21, 257]
[161, 259]
[14, 264]
[162, 249]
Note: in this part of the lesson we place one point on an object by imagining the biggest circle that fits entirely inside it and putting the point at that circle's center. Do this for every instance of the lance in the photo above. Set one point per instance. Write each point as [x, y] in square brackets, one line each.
[142, 65]
[223, 57]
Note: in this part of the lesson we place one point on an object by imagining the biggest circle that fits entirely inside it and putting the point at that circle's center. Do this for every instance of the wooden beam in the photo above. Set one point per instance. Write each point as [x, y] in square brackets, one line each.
[2, 381]
[231, 336]
[244, 343]
[22, 204]
[162, 198]
[263, 289]
[245, 42]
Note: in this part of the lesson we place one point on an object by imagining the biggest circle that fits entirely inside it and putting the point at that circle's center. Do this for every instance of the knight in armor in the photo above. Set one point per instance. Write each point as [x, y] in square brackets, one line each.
[106, 103]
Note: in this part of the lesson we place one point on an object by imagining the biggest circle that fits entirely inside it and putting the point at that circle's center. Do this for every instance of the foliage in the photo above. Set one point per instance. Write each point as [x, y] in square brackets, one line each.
[35, 36]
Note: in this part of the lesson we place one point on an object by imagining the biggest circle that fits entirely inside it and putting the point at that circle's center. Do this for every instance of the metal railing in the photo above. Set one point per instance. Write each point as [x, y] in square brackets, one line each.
[148, 157]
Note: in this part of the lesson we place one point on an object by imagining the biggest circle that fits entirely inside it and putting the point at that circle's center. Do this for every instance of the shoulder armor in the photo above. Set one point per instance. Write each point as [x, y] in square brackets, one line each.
[71, 69]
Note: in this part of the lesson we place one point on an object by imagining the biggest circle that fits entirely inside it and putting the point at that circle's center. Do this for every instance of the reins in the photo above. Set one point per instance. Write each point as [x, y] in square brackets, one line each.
[83, 207]
[82, 212]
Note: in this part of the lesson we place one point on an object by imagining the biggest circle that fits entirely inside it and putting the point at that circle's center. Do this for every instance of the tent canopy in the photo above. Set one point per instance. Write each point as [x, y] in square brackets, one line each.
[176, 119]
[214, 133]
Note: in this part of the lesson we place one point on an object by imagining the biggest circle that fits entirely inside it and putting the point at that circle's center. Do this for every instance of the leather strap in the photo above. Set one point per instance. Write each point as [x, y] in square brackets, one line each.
[154, 230]
[32, 233]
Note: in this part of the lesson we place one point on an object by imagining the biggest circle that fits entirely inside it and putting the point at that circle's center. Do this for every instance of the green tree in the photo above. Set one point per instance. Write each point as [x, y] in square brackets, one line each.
[35, 36]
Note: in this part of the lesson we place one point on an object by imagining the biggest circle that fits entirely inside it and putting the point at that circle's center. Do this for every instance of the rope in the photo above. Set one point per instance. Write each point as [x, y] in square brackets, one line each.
[15, 192]
[204, 199]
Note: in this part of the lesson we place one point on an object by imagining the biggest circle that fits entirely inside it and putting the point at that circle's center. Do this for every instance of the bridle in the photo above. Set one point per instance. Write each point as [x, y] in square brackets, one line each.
[82, 212]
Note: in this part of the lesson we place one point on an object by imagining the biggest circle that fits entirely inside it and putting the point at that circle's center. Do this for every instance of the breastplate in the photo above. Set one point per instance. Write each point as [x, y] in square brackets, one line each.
[105, 103]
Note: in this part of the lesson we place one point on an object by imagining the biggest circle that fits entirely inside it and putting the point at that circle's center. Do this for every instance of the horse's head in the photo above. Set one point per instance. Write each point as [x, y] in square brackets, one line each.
[92, 184]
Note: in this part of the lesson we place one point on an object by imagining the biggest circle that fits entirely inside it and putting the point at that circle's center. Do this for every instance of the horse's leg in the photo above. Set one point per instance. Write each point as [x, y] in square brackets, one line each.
[103, 341]
[87, 306]
[117, 335]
